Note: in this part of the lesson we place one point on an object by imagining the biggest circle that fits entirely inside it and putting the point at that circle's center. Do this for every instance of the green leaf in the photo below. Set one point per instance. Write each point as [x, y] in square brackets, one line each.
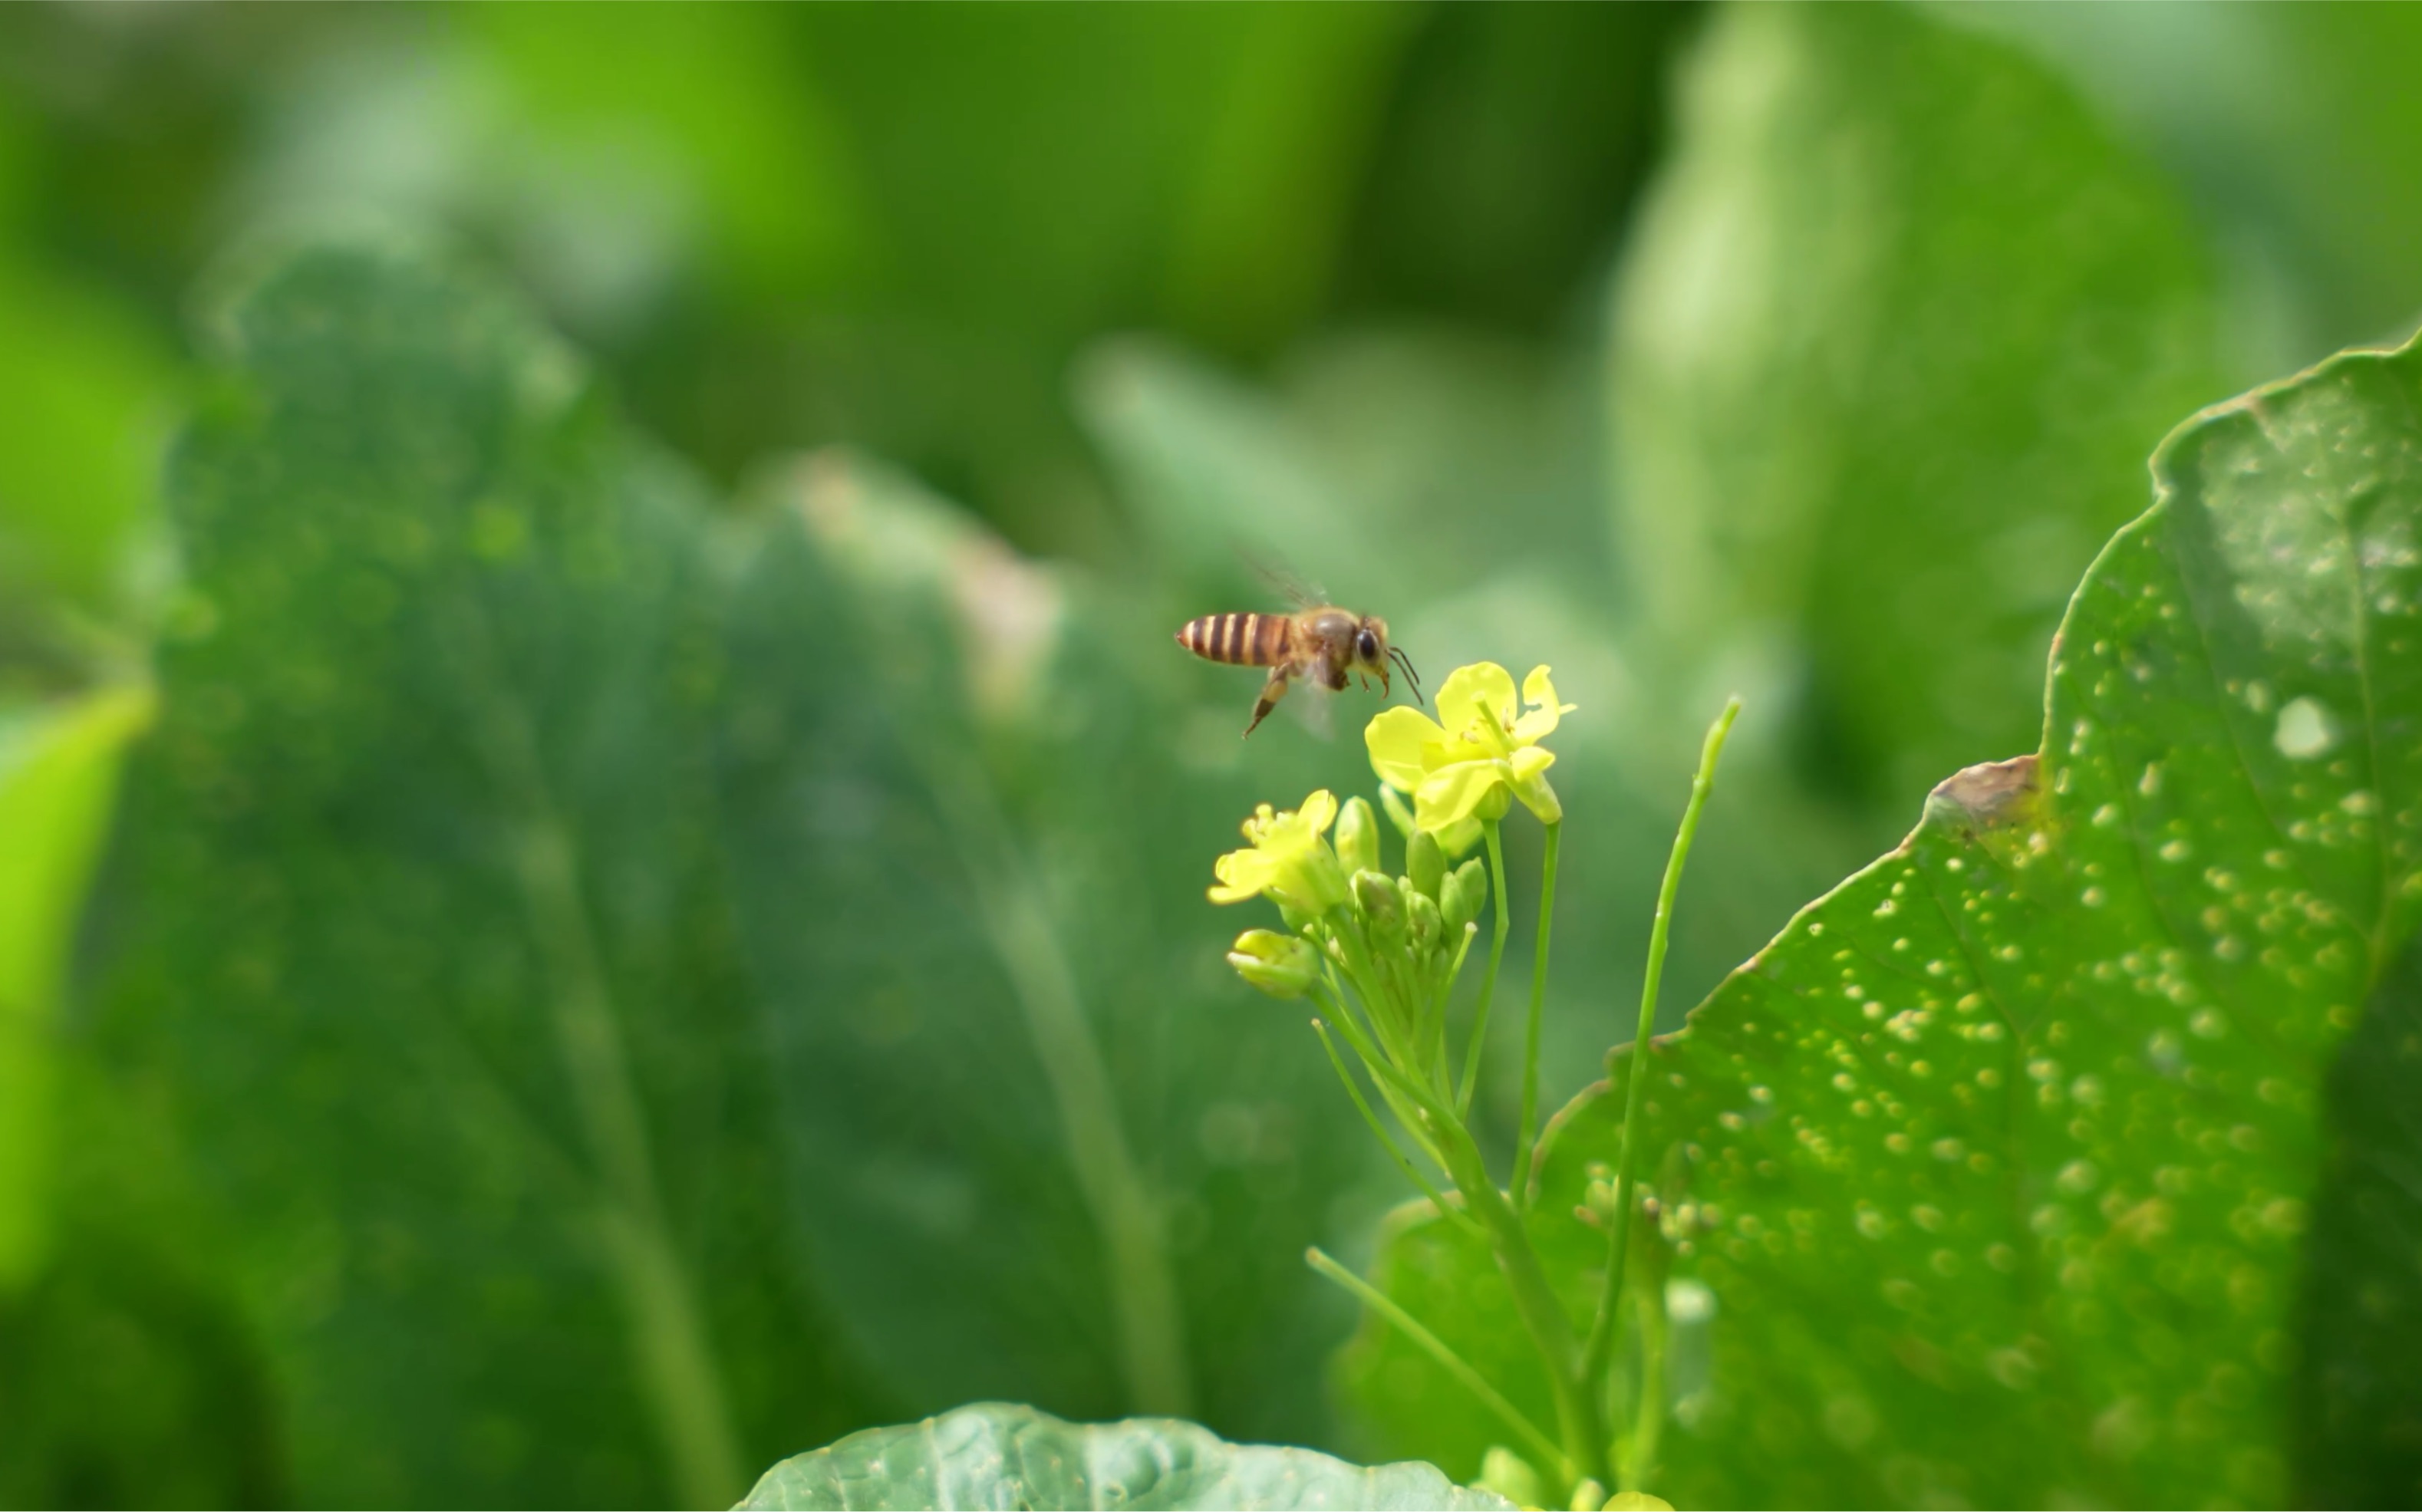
[1044, 1142]
[1896, 329]
[696, 981]
[84, 383]
[2358, 1390]
[1996, 1164]
[1001, 1456]
[59, 779]
[417, 936]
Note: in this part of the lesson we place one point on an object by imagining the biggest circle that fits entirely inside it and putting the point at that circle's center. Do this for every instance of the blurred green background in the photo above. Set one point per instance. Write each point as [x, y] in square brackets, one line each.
[579, 1037]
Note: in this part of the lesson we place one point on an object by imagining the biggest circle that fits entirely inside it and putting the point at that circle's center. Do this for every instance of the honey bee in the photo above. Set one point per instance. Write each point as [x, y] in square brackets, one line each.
[1319, 642]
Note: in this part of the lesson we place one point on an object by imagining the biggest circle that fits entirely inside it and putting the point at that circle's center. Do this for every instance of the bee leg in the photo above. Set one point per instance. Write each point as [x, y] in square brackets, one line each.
[1272, 691]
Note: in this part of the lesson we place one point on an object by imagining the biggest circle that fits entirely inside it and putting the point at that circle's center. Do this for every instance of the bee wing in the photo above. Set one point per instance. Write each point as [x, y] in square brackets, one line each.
[1303, 595]
[1318, 712]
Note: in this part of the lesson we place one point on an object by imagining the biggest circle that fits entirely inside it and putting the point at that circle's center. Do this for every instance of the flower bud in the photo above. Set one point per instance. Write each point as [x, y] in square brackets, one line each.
[1494, 803]
[1358, 837]
[1427, 862]
[1464, 893]
[1423, 924]
[1382, 904]
[1310, 881]
[1279, 965]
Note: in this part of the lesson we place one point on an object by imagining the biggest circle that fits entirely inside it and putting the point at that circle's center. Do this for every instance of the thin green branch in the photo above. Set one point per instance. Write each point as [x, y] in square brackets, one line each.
[1601, 1348]
[1363, 1105]
[1498, 925]
[1454, 1365]
[1648, 1416]
[1527, 1142]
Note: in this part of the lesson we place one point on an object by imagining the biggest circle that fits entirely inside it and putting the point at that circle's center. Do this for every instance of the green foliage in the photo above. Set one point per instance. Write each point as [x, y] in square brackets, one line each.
[686, 919]
[2358, 1322]
[1017, 1101]
[59, 776]
[993, 1455]
[601, 979]
[1896, 331]
[1996, 1162]
[418, 905]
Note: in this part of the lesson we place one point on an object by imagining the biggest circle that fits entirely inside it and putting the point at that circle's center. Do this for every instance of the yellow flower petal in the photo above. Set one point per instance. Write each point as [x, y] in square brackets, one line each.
[1539, 692]
[1243, 874]
[1451, 793]
[1485, 683]
[1397, 739]
[1318, 810]
[1529, 783]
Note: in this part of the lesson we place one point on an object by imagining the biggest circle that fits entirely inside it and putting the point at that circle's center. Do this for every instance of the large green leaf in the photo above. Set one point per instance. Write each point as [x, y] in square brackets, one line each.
[2358, 1390]
[1045, 1145]
[1996, 1162]
[2284, 125]
[636, 959]
[418, 933]
[1896, 329]
[1014, 1456]
[59, 779]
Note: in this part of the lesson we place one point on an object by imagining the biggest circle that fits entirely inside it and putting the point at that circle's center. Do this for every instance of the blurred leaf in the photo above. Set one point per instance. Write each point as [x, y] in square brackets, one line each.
[1045, 1145]
[721, 99]
[1894, 332]
[2284, 126]
[82, 383]
[1257, 236]
[419, 926]
[2357, 1415]
[127, 1379]
[1996, 1162]
[59, 776]
[996, 1456]
[1513, 143]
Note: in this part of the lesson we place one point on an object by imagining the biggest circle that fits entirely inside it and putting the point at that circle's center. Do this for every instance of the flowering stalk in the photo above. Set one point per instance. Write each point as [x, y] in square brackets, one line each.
[1381, 955]
[1599, 1352]
[1527, 1142]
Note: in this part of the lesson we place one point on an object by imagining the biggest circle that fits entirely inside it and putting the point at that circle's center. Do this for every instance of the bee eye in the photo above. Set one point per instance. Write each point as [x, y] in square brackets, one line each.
[1368, 644]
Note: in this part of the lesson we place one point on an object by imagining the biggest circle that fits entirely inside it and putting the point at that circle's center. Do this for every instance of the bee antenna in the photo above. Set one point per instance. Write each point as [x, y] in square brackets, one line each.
[1397, 652]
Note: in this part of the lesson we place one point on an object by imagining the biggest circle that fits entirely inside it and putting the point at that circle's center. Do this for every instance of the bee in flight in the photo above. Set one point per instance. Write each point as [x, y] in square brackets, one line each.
[1319, 641]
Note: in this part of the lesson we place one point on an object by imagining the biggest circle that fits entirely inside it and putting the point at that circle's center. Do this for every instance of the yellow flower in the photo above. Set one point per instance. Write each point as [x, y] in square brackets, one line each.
[1287, 859]
[1485, 753]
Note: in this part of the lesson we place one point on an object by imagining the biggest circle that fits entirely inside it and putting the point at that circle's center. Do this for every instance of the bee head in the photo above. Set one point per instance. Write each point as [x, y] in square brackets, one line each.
[1370, 644]
[1371, 649]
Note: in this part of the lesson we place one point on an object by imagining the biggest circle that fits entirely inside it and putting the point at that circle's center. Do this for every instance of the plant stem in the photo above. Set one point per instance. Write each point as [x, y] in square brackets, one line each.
[1472, 1381]
[1429, 1189]
[1527, 1142]
[1600, 1349]
[1579, 1417]
[1648, 1413]
[1498, 926]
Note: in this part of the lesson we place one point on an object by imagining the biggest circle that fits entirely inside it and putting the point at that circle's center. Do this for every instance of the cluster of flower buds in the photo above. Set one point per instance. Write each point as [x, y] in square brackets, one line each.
[1395, 942]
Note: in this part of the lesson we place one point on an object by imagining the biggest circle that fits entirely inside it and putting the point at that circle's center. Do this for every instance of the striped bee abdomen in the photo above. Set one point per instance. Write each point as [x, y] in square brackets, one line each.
[1238, 640]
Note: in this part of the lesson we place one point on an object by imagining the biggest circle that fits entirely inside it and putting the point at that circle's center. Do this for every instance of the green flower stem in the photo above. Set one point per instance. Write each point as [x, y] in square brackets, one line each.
[1407, 1099]
[1429, 1189]
[1527, 1143]
[1580, 1414]
[1498, 925]
[1648, 1413]
[1445, 996]
[1381, 1303]
[1601, 1340]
